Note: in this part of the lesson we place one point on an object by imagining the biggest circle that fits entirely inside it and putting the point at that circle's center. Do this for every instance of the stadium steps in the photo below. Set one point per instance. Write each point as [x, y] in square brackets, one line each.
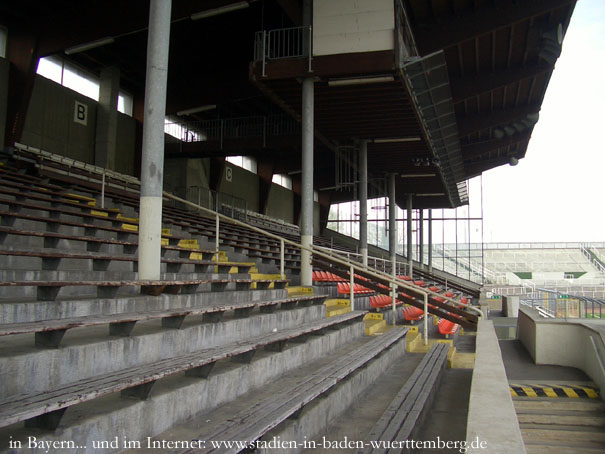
[561, 425]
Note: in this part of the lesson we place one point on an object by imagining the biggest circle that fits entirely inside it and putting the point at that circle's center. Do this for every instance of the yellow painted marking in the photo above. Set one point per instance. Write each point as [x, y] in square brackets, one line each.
[372, 326]
[130, 227]
[299, 290]
[78, 196]
[373, 316]
[124, 218]
[591, 392]
[99, 213]
[165, 242]
[529, 391]
[549, 392]
[166, 232]
[570, 393]
[513, 393]
[193, 255]
[189, 244]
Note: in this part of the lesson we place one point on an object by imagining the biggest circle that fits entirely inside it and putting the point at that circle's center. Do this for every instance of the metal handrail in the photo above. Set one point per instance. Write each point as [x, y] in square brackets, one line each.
[336, 258]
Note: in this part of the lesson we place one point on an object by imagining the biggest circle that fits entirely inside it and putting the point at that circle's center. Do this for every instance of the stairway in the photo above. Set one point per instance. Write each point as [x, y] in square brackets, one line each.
[561, 425]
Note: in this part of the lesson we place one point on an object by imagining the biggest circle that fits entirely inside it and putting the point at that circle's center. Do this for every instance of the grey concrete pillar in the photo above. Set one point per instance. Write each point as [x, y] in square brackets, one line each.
[107, 118]
[421, 236]
[392, 225]
[306, 213]
[410, 252]
[152, 164]
[430, 245]
[363, 201]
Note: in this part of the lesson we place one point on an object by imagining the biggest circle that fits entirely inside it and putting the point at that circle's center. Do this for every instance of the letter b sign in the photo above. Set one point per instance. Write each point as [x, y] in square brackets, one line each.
[81, 113]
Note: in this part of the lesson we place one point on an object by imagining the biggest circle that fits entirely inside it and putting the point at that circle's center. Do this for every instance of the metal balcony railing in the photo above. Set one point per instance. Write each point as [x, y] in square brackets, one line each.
[283, 43]
[233, 128]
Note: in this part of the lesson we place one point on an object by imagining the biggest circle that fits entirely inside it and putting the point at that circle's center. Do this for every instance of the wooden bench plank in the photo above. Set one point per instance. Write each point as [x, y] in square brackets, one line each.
[75, 322]
[37, 404]
[402, 414]
[252, 423]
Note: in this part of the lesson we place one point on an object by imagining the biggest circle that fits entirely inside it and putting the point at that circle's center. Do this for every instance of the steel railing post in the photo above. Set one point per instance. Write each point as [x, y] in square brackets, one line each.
[351, 284]
[217, 240]
[282, 259]
[264, 50]
[426, 316]
[394, 303]
[103, 190]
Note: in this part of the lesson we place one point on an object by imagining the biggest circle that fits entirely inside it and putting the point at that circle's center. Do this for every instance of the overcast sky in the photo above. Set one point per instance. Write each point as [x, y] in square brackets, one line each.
[557, 192]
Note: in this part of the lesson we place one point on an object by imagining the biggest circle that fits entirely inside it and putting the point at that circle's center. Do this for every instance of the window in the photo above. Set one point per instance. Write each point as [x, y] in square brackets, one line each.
[3, 37]
[125, 102]
[283, 180]
[245, 162]
[51, 68]
[173, 127]
[70, 76]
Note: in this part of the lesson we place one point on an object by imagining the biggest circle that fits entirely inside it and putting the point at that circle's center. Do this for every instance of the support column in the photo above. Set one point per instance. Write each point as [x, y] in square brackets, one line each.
[107, 118]
[430, 264]
[392, 225]
[421, 236]
[152, 165]
[363, 201]
[410, 253]
[308, 98]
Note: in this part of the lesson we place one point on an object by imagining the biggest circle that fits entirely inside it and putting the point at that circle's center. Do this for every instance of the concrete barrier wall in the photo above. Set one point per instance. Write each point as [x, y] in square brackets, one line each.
[492, 424]
[578, 343]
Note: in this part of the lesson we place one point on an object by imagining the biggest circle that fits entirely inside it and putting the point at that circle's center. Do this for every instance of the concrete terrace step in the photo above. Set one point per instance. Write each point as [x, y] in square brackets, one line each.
[89, 351]
[554, 418]
[557, 449]
[50, 332]
[18, 311]
[339, 377]
[547, 403]
[51, 240]
[175, 399]
[136, 382]
[49, 290]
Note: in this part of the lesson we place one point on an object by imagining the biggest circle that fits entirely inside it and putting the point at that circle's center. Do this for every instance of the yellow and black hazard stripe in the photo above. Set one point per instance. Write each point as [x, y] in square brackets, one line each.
[566, 391]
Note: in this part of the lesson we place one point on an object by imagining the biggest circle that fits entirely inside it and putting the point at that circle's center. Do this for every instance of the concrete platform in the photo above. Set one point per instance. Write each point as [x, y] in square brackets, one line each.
[519, 365]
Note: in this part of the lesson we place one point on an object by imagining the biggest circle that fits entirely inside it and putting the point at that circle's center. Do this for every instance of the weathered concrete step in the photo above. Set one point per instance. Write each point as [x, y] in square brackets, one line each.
[554, 418]
[315, 414]
[31, 311]
[553, 448]
[177, 399]
[562, 436]
[549, 403]
[89, 352]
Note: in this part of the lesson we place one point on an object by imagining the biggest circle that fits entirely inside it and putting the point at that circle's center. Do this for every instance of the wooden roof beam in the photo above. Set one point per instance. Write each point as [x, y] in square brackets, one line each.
[469, 87]
[435, 36]
[475, 150]
[477, 122]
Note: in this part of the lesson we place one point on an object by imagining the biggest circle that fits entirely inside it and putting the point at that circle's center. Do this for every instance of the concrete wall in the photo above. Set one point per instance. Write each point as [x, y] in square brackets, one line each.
[491, 414]
[280, 203]
[347, 26]
[125, 144]
[50, 125]
[565, 342]
[243, 184]
[4, 70]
